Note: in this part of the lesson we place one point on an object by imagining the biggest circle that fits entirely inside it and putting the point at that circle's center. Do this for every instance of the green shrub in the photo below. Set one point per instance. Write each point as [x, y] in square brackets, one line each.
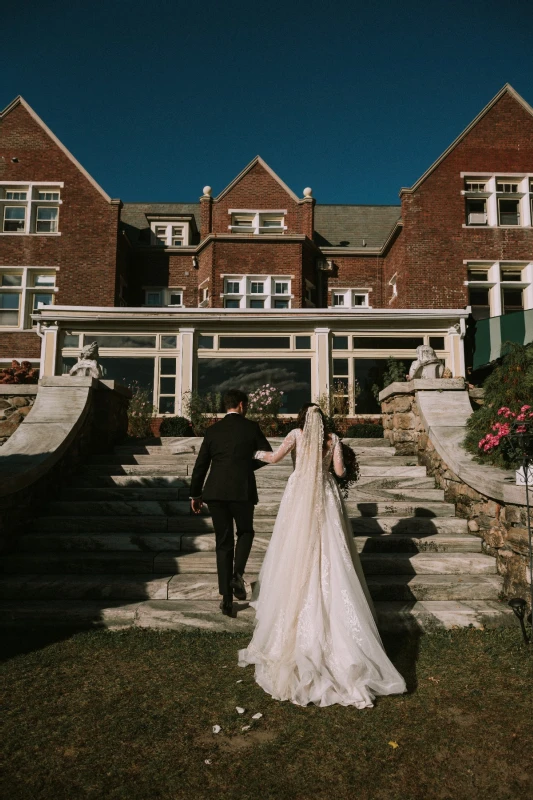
[140, 412]
[395, 371]
[202, 410]
[509, 386]
[176, 426]
[365, 430]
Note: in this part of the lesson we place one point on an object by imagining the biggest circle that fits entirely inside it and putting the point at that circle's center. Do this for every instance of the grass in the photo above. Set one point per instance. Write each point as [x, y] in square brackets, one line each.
[130, 715]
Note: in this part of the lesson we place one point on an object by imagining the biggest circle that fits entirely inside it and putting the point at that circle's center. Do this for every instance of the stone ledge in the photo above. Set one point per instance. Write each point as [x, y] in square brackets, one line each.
[419, 384]
[13, 389]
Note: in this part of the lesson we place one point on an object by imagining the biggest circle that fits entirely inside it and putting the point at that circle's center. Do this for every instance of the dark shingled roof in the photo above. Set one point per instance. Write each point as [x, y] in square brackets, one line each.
[134, 222]
[347, 226]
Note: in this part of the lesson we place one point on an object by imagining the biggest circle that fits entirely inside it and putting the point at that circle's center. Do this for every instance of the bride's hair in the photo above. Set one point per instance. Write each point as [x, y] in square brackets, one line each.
[302, 414]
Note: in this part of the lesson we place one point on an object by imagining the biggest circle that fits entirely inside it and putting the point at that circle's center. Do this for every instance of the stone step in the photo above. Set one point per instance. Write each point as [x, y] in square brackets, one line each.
[204, 562]
[369, 458]
[356, 494]
[393, 616]
[157, 542]
[276, 471]
[203, 524]
[181, 508]
[190, 587]
[380, 449]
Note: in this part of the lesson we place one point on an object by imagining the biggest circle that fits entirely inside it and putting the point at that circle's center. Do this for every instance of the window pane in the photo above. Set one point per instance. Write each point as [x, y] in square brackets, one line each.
[387, 342]
[257, 303]
[153, 298]
[359, 299]
[9, 319]
[476, 211]
[168, 366]
[255, 342]
[340, 366]
[511, 274]
[71, 340]
[338, 299]
[232, 304]
[168, 342]
[167, 405]
[175, 299]
[15, 195]
[292, 376]
[479, 300]
[167, 385]
[14, 218]
[368, 372]
[9, 300]
[8, 279]
[279, 303]
[509, 212]
[281, 288]
[257, 288]
[232, 287]
[340, 342]
[303, 342]
[48, 196]
[436, 342]
[127, 371]
[46, 220]
[45, 299]
[44, 280]
[513, 300]
[477, 275]
[205, 342]
[120, 341]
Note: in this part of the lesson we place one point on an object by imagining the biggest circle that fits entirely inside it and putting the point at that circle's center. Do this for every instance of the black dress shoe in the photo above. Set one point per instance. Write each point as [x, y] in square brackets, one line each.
[226, 606]
[239, 589]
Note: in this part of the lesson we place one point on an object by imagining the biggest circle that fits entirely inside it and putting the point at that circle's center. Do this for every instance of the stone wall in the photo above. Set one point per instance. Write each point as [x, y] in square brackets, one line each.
[16, 401]
[485, 496]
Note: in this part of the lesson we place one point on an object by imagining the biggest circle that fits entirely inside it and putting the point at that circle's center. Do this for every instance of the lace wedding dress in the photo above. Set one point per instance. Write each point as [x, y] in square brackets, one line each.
[315, 637]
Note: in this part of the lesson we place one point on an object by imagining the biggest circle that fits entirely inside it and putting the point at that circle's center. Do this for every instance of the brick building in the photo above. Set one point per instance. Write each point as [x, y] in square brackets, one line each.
[257, 283]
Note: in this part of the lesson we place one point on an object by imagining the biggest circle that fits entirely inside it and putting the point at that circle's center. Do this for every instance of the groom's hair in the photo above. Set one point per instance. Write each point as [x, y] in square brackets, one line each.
[233, 397]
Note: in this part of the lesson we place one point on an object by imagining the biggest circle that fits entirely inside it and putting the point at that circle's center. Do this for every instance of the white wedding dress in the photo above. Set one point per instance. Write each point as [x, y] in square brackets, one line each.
[315, 638]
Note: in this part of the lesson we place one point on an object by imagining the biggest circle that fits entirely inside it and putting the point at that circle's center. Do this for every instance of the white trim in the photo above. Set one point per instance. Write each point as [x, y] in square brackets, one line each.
[20, 101]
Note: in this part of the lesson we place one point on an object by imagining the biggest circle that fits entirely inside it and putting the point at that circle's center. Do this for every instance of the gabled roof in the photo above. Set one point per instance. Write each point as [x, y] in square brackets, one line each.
[257, 160]
[507, 89]
[348, 226]
[19, 101]
[134, 220]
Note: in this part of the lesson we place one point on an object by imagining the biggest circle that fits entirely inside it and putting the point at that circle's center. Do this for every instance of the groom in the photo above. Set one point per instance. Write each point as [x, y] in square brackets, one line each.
[230, 491]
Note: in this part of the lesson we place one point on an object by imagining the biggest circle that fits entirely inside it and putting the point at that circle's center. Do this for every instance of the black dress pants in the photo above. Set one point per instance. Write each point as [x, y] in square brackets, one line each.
[231, 559]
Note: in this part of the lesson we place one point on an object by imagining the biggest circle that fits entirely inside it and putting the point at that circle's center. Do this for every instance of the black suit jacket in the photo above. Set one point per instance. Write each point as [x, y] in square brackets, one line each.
[228, 448]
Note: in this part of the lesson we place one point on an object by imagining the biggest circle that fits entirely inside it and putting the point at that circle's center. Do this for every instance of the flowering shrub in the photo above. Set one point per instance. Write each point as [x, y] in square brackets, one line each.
[508, 393]
[19, 372]
[263, 406]
[140, 412]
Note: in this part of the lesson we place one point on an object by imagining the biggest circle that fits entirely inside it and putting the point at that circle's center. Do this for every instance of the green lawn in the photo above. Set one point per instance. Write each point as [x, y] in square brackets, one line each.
[130, 715]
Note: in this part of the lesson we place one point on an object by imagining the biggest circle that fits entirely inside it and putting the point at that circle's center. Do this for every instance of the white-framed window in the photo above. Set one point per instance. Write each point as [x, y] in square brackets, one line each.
[498, 200]
[257, 222]
[24, 290]
[350, 298]
[170, 233]
[160, 297]
[29, 208]
[257, 291]
[501, 287]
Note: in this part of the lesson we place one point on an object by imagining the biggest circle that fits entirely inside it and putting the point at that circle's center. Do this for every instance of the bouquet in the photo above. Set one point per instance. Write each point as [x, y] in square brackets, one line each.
[351, 476]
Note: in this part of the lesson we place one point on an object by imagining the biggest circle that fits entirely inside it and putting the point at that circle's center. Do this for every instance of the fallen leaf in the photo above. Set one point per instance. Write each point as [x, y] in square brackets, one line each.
[257, 716]
[239, 681]
[239, 710]
[207, 761]
[246, 727]
[394, 745]
[216, 728]
[435, 680]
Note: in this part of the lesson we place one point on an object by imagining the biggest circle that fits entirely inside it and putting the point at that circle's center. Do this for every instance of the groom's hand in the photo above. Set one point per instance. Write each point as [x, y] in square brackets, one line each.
[196, 505]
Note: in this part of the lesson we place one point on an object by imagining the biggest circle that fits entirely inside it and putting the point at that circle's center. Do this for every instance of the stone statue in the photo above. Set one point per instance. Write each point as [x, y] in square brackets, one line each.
[87, 365]
[427, 365]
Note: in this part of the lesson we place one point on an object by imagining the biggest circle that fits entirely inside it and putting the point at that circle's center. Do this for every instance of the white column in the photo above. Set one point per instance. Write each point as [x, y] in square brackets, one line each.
[49, 353]
[456, 339]
[322, 362]
[186, 366]
[492, 203]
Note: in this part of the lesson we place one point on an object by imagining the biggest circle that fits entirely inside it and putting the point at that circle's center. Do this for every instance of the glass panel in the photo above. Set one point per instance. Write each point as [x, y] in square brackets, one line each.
[387, 342]
[168, 342]
[476, 212]
[302, 342]
[168, 366]
[14, 218]
[153, 298]
[292, 376]
[167, 405]
[368, 372]
[176, 299]
[436, 342]
[340, 366]
[232, 287]
[120, 341]
[15, 195]
[257, 303]
[9, 319]
[205, 342]
[232, 304]
[71, 340]
[167, 385]
[359, 299]
[282, 288]
[46, 220]
[127, 371]
[9, 300]
[511, 274]
[512, 300]
[477, 275]
[44, 280]
[509, 212]
[340, 342]
[479, 300]
[278, 303]
[255, 342]
[48, 196]
[45, 299]
[338, 299]
[257, 288]
[8, 279]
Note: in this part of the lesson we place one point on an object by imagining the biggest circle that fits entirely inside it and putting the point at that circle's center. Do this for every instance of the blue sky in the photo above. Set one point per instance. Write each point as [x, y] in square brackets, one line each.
[354, 99]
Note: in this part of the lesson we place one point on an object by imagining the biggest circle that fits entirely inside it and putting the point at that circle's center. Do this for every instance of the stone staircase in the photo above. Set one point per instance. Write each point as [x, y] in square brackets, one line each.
[121, 548]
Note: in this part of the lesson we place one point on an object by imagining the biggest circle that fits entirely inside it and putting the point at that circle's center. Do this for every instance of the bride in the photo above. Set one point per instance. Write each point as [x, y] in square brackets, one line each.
[315, 638]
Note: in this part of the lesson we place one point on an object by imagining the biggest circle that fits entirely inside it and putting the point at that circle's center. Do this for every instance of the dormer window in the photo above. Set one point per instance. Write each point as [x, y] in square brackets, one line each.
[257, 222]
[170, 233]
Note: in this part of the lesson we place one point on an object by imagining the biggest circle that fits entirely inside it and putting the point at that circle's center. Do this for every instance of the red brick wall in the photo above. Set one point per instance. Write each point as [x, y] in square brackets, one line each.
[357, 272]
[86, 250]
[433, 241]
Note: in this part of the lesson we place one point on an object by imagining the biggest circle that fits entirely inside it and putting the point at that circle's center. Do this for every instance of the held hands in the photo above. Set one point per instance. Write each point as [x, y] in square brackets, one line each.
[196, 505]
